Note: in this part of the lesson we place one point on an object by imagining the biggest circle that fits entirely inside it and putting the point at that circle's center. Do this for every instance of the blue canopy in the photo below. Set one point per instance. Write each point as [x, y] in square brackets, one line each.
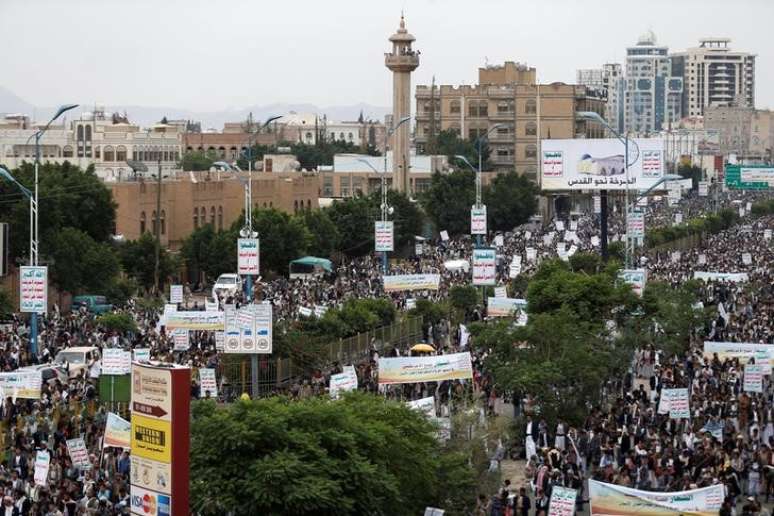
[314, 261]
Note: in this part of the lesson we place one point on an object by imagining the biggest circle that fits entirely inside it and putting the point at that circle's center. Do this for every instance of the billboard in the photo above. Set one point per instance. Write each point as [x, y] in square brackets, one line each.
[456, 366]
[33, 289]
[586, 164]
[749, 177]
[384, 236]
[248, 256]
[484, 267]
[248, 329]
[478, 220]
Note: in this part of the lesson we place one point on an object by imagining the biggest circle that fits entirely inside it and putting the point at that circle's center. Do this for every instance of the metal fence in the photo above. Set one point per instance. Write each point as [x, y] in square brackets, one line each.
[235, 371]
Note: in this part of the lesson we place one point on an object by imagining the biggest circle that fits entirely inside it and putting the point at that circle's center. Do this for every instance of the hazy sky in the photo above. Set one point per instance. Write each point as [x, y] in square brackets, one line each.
[212, 55]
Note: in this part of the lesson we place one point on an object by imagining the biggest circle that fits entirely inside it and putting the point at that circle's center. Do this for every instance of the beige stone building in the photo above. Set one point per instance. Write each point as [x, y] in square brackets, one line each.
[524, 111]
[744, 131]
[199, 198]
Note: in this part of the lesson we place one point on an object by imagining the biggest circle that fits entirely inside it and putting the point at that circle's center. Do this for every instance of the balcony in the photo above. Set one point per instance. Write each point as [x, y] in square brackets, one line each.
[503, 116]
[502, 160]
[406, 63]
[500, 92]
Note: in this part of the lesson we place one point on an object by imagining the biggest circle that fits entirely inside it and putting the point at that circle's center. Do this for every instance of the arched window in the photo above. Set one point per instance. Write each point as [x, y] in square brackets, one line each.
[153, 222]
[308, 205]
[196, 218]
[163, 222]
[531, 129]
[222, 152]
[233, 151]
[454, 107]
[530, 106]
[142, 223]
[295, 206]
[67, 152]
[341, 136]
[88, 133]
[309, 137]
[120, 153]
[220, 218]
[109, 155]
[531, 151]
[80, 133]
[349, 135]
[212, 216]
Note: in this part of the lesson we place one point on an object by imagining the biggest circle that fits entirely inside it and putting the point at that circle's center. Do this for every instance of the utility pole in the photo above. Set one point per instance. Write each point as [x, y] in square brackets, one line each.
[158, 225]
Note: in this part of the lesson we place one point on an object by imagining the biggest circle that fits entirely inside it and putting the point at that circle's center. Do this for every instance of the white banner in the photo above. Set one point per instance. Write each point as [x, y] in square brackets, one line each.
[181, 339]
[703, 189]
[342, 382]
[484, 266]
[562, 502]
[33, 289]
[767, 234]
[743, 351]
[384, 236]
[116, 361]
[444, 235]
[611, 499]
[504, 306]
[42, 462]
[175, 294]
[207, 382]
[79, 455]
[249, 329]
[733, 277]
[398, 282]
[248, 256]
[676, 402]
[498, 241]
[501, 292]
[746, 258]
[599, 164]
[456, 366]
[425, 405]
[531, 254]
[478, 220]
[141, 355]
[753, 377]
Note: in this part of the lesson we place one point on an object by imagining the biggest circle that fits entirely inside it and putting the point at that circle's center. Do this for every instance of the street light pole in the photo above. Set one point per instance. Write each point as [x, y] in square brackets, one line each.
[34, 219]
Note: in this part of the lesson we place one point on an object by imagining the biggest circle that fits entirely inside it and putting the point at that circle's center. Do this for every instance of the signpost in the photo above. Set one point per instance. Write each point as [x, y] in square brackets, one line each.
[33, 286]
[248, 256]
[484, 263]
[749, 177]
[384, 236]
[478, 220]
[160, 439]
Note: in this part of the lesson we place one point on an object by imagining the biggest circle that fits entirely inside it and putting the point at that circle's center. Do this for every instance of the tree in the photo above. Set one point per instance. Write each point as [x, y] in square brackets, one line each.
[283, 238]
[81, 265]
[409, 219]
[69, 197]
[324, 235]
[693, 172]
[198, 161]
[121, 322]
[354, 217]
[511, 199]
[448, 201]
[448, 143]
[464, 298]
[358, 455]
[138, 258]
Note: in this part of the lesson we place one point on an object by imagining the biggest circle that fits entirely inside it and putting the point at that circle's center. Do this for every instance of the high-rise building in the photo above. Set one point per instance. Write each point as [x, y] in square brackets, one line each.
[653, 94]
[714, 75]
[522, 111]
[401, 61]
[609, 81]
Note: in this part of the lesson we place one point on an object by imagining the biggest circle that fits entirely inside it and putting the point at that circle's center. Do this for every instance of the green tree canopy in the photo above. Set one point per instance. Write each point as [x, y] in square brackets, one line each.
[138, 258]
[449, 143]
[511, 199]
[198, 161]
[81, 265]
[324, 235]
[283, 238]
[358, 455]
[354, 217]
[448, 201]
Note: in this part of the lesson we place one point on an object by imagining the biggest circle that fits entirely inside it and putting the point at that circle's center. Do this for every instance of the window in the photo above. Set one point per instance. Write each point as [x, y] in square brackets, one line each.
[80, 133]
[474, 133]
[109, 155]
[344, 186]
[88, 133]
[531, 129]
[531, 151]
[349, 135]
[327, 186]
[142, 223]
[309, 137]
[505, 107]
[97, 152]
[163, 222]
[153, 222]
[530, 106]
[309, 205]
[220, 218]
[357, 185]
[212, 216]
[454, 107]
[295, 206]
[120, 153]
[341, 136]
[478, 108]
[67, 152]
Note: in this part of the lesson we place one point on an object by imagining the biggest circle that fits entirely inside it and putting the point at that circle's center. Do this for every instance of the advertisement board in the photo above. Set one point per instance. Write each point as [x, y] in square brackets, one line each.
[749, 177]
[599, 164]
[484, 267]
[478, 220]
[150, 503]
[384, 236]
[33, 289]
[248, 256]
[611, 499]
[455, 366]
[248, 329]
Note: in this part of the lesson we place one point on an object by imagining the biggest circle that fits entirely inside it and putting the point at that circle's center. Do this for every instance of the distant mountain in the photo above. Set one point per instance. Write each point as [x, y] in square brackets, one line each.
[147, 115]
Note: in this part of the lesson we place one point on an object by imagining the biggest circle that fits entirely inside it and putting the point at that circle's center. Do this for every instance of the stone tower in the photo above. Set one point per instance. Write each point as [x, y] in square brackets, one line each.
[401, 61]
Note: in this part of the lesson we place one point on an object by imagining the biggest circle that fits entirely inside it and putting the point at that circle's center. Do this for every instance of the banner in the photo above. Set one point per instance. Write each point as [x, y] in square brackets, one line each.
[531, 254]
[248, 256]
[613, 500]
[562, 501]
[746, 258]
[304, 311]
[384, 236]
[753, 377]
[425, 405]
[175, 294]
[501, 292]
[248, 329]
[21, 385]
[456, 366]
[141, 355]
[635, 227]
[181, 339]
[79, 455]
[703, 188]
[444, 235]
[205, 321]
[117, 432]
[342, 382]
[478, 220]
[484, 266]
[398, 282]
[636, 278]
[207, 382]
[763, 353]
[116, 361]
[599, 164]
[42, 463]
[33, 289]
[504, 306]
[734, 277]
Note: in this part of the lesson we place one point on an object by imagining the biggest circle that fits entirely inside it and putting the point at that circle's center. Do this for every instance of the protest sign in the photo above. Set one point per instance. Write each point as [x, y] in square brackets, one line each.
[478, 220]
[398, 282]
[181, 339]
[676, 402]
[743, 351]
[116, 361]
[484, 266]
[444, 235]
[504, 306]
[141, 354]
[117, 430]
[248, 256]
[425, 405]
[732, 277]
[207, 382]
[456, 366]
[79, 455]
[501, 291]
[33, 289]
[21, 385]
[498, 241]
[384, 232]
[531, 254]
[753, 377]
[746, 258]
[42, 462]
[175, 294]
[304, 311]
[342, 382]
[193, 320]
[562, 502]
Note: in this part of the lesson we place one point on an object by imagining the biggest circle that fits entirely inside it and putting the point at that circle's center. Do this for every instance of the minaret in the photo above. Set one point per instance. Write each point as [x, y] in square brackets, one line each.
[402, 61]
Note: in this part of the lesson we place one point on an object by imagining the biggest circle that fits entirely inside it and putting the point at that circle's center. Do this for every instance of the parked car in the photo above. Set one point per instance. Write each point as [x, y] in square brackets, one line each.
[93, 304]
[226, 285]
[76, 359]
[50, 373]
